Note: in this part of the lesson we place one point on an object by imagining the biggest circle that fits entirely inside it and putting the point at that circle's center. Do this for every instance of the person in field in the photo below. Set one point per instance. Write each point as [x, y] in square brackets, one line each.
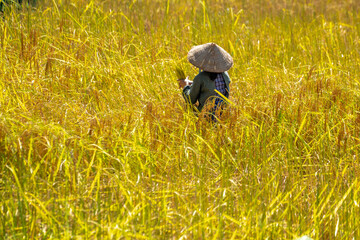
[211, 85]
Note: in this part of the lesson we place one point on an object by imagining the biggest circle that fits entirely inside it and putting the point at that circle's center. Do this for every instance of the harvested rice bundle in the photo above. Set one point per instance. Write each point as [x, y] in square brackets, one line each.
[182, 80]
[180, 73]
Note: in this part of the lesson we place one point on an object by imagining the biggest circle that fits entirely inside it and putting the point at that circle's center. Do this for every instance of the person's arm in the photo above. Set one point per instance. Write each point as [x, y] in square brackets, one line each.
[191, 93]
[227, 81]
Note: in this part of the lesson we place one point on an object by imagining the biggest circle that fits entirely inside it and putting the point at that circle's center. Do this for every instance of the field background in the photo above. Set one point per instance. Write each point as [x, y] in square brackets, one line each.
[96, 141]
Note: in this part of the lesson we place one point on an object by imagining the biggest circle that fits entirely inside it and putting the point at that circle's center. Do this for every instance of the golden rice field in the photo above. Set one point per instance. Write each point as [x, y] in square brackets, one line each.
[96, 141]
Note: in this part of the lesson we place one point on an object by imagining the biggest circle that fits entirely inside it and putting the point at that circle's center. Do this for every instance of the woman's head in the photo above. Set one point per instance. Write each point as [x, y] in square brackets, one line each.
[210, 57]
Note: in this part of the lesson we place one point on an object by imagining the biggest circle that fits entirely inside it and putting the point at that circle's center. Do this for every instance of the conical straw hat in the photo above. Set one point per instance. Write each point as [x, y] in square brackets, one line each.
[210, 57]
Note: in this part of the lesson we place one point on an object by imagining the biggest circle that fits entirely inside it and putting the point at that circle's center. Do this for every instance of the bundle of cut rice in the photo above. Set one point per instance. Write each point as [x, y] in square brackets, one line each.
[180, 73]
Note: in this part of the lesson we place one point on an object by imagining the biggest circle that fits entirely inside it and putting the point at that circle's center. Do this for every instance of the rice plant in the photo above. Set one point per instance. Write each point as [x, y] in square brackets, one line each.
[96, 141]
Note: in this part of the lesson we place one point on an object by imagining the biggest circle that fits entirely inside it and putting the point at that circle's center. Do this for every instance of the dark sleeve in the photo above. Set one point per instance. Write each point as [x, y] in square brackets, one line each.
[191, 93]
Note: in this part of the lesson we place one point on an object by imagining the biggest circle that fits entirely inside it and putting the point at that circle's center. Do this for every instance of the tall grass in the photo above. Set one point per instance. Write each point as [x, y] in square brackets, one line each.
[96, 141]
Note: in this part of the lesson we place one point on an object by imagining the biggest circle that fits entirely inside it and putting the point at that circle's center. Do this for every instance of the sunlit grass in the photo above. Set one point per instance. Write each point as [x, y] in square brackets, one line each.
[96, 140]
